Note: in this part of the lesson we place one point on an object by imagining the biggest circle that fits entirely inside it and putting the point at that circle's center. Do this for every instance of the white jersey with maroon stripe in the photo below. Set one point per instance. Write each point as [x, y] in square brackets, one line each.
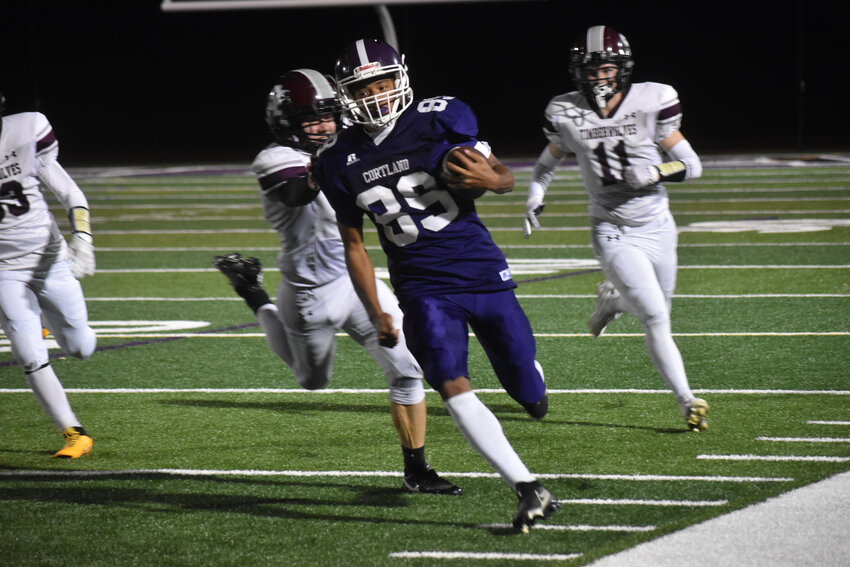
[648, 113]
[29, 236]
[311, 252]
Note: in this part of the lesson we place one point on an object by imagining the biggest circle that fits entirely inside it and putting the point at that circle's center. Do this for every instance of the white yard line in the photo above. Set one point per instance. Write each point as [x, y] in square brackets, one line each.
[818, 422]
[328, 391]
[805, 439]
[376, 474]
[575, 528]
[528, 296]
[776, 458]
[529, 246]
[493, 556]
[643, 502]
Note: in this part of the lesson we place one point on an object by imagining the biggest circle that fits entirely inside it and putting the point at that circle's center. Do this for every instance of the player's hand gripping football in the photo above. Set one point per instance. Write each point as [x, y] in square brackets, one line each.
[81, 250]
[465, 168]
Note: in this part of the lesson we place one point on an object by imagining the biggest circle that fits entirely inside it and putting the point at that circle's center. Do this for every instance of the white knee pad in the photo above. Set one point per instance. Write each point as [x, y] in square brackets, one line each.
[406, 391]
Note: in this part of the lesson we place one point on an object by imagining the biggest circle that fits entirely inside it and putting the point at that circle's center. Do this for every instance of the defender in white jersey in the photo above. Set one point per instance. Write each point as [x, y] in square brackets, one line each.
[618, 130]
[316, 298]
[38, 268]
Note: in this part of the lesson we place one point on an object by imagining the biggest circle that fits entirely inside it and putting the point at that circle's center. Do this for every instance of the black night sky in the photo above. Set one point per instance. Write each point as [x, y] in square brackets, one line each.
[125, 83]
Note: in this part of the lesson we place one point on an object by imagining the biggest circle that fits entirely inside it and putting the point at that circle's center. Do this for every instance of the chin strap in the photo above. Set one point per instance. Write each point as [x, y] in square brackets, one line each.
[603, 94]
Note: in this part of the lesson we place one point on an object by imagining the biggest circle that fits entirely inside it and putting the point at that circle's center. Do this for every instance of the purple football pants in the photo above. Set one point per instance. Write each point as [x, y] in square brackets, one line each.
[436, 331]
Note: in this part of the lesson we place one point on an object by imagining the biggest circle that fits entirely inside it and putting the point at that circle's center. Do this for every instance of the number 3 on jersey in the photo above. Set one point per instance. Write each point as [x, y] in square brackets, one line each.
[399, 226]
[14, 189]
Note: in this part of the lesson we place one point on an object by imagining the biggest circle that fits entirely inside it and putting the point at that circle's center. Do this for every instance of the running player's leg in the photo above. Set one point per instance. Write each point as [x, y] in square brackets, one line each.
[628, 264]
[505, 334]
[21, 321]
[311, 319]
[60, 297]
[406, 393]
[437, 335]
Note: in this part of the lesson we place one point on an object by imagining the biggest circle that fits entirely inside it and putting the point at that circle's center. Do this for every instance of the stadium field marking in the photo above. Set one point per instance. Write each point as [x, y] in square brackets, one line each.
[696, 296]
[681, 267]
[377, 474]
[484, 555]
[574, 528]
[643, 502]
[328, 391]
[819, 422]
[552, 246]
[776, 458]
[805, 439]
[731, 334]
[146, 338]
[529, 296]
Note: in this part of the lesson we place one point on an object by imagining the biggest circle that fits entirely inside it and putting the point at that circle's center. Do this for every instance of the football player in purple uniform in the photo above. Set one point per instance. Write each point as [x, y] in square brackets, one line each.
[446, 270]
[315, 298]
[39, 270]
[618, 130]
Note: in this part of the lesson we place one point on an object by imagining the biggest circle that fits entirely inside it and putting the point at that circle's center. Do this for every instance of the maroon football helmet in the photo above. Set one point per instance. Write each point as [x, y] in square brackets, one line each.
[598, 46]
[302, 95]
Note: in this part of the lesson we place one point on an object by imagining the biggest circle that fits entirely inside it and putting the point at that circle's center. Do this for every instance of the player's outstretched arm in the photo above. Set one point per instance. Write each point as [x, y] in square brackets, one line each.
[72, 198]
[541, 177]
[362, 274]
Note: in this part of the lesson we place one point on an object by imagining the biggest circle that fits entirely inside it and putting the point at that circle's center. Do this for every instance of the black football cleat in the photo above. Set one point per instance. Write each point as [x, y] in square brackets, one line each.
[429, 482]
[538, 409]
[535, 503]
[246, 277]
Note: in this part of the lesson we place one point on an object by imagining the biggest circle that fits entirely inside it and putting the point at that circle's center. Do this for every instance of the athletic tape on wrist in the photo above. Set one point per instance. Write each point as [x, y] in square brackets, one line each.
[80, 220]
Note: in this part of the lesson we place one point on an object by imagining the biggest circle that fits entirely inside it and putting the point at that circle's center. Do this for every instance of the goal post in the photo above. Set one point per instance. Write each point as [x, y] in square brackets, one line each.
[383, 12]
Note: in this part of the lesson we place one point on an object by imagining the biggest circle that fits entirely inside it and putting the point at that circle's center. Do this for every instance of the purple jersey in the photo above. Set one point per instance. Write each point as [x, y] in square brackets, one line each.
[434, 241]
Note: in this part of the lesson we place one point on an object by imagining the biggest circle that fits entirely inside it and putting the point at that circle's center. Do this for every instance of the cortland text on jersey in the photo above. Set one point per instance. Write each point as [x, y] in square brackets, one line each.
[386, 170]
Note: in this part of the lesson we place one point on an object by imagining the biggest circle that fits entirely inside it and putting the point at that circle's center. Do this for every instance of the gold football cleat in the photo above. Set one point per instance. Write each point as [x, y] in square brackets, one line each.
[76, 444]
[697, 414]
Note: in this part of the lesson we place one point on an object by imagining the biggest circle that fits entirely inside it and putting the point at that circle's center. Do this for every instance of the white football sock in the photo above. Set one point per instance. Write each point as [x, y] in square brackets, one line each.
[667, 359]
[269, 320]
[484, 432]
[50, 394]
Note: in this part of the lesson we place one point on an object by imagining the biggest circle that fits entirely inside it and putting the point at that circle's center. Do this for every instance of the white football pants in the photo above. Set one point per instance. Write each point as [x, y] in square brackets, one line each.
[306, 330]
[26, 295]
[641, 263]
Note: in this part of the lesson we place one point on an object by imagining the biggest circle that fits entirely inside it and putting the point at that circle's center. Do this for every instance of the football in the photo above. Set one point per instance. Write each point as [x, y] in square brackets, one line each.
[453, 156]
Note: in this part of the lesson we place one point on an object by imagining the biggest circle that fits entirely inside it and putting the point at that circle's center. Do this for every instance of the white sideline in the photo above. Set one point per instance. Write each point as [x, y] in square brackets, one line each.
[806, 526]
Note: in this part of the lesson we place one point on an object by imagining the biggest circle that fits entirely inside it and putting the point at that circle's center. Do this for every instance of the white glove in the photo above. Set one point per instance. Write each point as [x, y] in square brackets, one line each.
[533, 207]
[82, 255]
[641, 176]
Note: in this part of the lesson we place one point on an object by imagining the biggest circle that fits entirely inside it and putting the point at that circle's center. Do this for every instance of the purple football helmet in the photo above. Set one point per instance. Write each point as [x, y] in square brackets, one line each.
[598, 46]
[302, 95]
[362, 62]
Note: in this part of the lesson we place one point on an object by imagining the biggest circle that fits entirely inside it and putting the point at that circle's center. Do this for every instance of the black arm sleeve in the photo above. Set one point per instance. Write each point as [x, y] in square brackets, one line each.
[293, 192]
